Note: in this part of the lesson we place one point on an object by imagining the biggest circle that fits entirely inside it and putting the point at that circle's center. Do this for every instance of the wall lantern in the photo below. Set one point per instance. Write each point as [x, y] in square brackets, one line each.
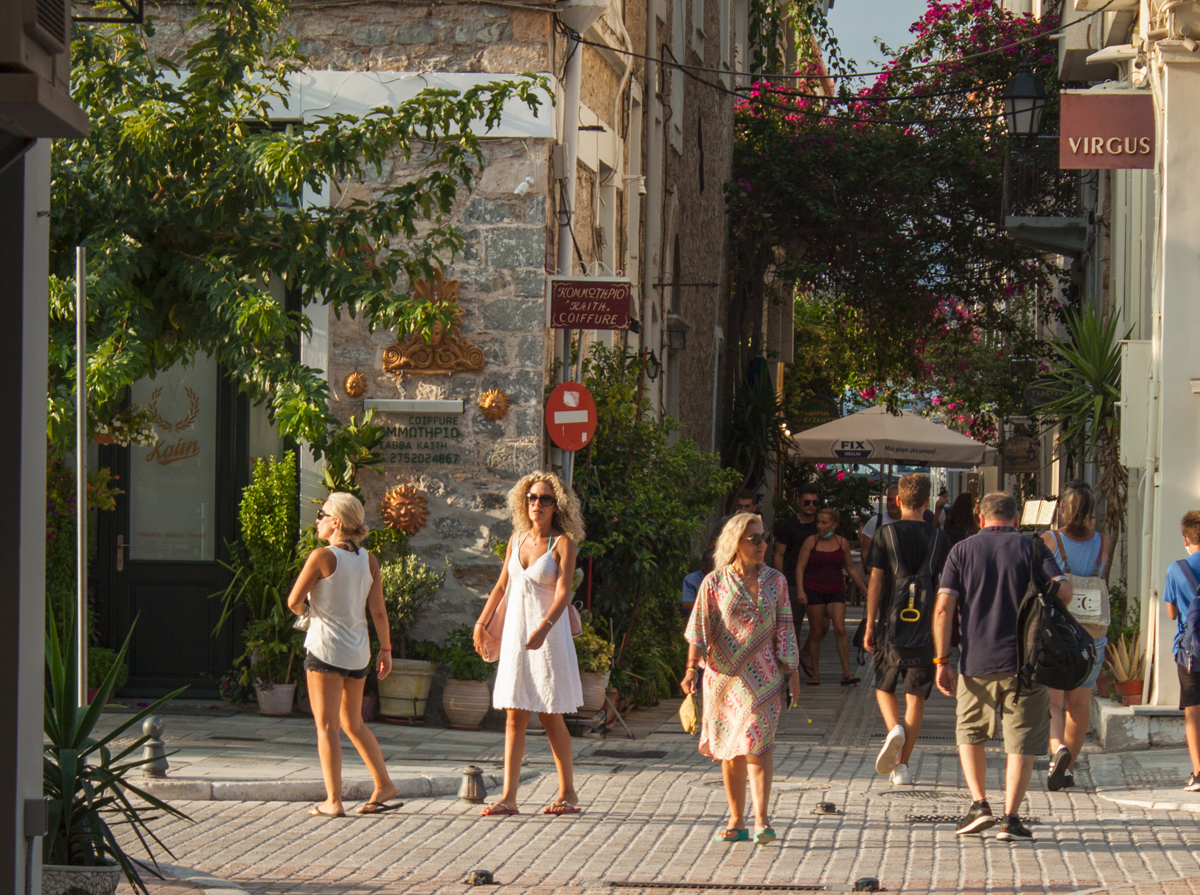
[1024, 103]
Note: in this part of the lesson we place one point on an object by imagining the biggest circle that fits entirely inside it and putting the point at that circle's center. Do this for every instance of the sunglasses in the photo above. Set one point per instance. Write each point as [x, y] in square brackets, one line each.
[546, 500]
[321, 514]
[758, 540]
[809, 503]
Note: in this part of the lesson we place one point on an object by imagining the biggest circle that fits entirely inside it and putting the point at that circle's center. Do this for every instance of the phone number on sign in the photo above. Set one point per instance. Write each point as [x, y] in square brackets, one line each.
[422, 458]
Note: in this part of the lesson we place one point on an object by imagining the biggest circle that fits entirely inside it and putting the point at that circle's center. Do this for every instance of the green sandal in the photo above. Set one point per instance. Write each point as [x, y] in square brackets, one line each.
[764, 835]
[742, 835]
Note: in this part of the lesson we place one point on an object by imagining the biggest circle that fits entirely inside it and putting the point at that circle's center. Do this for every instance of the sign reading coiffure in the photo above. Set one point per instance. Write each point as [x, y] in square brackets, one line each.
[1109, 129]
[589, 302]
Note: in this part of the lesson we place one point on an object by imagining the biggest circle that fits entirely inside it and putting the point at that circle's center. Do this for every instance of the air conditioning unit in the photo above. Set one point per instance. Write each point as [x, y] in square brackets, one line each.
[35, 70]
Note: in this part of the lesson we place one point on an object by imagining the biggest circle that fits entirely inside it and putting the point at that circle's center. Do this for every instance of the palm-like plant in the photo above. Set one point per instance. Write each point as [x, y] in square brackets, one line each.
[1124, 659]
[1087, 376]
[85, 779]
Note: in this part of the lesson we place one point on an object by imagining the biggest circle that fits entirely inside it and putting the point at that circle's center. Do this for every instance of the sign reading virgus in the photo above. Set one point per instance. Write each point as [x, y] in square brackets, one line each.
[1106, 129]
[589, 302]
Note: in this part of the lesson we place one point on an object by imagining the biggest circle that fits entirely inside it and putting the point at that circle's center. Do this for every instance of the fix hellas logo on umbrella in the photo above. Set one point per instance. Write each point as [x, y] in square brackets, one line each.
[853, 450]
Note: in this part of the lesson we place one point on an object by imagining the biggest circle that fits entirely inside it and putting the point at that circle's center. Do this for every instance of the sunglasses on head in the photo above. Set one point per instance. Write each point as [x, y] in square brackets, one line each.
[759, 539]
[546, 500]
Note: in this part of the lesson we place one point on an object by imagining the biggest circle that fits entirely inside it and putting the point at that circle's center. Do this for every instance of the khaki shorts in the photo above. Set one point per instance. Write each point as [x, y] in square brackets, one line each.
[1025, 721]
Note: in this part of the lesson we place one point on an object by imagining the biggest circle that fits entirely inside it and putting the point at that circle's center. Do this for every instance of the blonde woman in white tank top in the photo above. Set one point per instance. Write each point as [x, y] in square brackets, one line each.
[340, 583]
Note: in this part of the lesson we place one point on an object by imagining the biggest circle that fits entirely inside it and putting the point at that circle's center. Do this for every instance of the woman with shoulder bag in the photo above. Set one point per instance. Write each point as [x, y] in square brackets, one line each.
[1081, 552]
[530, 606]
[741, 630]
[341, 583]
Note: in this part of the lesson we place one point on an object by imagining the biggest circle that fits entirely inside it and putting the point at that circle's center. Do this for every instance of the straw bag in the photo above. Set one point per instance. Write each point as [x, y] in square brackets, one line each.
[689, 717]
[1089, 605]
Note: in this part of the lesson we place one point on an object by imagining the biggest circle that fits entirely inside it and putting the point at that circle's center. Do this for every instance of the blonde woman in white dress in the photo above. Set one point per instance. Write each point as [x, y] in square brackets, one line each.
[538, 670]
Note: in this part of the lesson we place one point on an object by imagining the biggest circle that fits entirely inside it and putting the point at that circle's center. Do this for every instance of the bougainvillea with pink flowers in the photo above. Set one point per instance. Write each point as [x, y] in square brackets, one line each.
[883, 208]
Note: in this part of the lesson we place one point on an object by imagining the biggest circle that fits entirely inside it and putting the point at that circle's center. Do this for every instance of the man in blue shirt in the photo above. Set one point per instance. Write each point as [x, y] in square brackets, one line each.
[1178, 596]
[984, 580]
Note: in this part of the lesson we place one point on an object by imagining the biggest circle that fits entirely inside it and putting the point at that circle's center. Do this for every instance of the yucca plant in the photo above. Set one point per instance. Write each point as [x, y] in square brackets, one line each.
[1087, 376]
[86, 781]
[1124, 660]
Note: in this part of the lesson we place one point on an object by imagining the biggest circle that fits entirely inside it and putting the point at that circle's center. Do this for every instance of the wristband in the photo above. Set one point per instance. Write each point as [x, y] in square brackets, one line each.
[385, 649]
[944, 660]
[693, 664]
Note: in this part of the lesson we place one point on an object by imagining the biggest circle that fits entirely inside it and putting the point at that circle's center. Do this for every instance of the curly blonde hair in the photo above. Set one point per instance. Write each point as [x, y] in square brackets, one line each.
[568, 517]
[727, 543]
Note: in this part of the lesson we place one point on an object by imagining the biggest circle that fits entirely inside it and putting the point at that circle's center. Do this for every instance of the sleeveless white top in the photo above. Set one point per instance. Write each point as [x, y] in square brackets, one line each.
[545, 679]
[337, 607]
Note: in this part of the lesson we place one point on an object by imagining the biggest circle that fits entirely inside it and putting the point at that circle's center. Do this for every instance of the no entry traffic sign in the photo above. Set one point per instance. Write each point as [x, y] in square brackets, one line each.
[571, 416]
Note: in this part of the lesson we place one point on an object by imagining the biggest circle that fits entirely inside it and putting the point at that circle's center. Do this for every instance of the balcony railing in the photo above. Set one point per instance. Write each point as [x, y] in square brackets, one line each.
[1034, 185]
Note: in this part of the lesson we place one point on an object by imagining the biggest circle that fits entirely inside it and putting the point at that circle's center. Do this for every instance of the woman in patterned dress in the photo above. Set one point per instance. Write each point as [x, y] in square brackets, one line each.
[741, 630]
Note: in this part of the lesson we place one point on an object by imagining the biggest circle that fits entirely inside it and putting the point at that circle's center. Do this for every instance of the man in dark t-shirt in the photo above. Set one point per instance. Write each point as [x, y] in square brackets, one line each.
[914, 539]
[790, 535]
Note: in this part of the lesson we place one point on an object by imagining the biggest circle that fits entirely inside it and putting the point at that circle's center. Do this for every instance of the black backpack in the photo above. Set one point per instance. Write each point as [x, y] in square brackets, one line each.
[908, 631]
[1052, 648]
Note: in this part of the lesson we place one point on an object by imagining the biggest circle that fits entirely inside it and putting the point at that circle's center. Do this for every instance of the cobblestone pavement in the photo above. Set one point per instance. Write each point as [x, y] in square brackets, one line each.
[653, 804]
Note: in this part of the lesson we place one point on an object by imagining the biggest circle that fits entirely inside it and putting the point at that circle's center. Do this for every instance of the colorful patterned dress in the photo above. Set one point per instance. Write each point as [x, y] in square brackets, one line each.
[747, 645]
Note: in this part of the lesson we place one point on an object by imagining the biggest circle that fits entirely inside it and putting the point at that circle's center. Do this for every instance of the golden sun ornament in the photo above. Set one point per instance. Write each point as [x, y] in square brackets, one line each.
[405, 509]
[355, 385]
[493, 404]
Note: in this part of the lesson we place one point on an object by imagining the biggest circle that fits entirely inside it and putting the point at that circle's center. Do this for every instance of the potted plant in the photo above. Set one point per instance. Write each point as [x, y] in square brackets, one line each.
[101, 661]
[409, 589]
[466, 698]
[272, 645]
[86, 779]
[1125, 664]
[595, 663]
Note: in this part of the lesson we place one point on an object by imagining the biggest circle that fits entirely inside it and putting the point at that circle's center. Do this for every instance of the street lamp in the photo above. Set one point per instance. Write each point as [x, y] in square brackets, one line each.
[1024, 103]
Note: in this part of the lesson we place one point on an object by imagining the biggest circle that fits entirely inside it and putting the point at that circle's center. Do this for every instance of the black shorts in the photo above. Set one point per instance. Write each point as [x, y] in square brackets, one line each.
[312, 663]
[816, 598]
[918, 681]
[1189, 687]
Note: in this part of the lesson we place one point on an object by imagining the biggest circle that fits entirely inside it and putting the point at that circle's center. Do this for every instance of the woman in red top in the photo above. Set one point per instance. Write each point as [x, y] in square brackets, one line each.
[820, 575]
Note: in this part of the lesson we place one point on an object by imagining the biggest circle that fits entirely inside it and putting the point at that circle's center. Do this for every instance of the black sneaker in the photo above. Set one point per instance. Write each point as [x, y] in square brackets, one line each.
[1069, 781]
[1013, 830]
[1059, 768]
[1193, 784]
[978, 819]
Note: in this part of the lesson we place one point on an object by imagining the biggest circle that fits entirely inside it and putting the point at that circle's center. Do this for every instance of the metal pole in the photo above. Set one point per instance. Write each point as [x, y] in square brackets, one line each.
[81, 538]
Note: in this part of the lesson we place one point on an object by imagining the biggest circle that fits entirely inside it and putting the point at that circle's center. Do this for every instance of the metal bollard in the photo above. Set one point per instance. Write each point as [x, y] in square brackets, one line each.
[154, 753]
[472, 788]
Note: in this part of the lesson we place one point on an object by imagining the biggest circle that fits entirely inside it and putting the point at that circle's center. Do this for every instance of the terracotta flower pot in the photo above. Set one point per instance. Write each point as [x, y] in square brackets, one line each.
[1129, 691]
[275, 701]
[594, 686]
[1104, 686]
[104, 439]
[62, 880]
[465, 703]
[405, 692]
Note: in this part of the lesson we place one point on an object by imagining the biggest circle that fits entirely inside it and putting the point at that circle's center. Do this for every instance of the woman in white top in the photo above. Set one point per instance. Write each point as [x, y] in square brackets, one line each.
[340, 582]
[538, 670]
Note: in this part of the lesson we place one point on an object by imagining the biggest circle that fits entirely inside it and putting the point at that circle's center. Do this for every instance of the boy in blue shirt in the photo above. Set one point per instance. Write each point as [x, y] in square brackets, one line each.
[1178, 595]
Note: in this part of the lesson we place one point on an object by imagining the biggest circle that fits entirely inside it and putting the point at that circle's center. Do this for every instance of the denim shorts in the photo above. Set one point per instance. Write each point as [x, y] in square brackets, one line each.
[1101, 642]
[312, 663]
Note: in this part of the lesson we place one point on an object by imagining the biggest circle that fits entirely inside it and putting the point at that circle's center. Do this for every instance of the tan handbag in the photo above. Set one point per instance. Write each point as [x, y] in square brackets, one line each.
[493, 629]
[689, 717]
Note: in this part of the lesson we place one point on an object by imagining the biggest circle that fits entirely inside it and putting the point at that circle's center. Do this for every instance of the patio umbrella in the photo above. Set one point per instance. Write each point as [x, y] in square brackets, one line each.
[876, 436]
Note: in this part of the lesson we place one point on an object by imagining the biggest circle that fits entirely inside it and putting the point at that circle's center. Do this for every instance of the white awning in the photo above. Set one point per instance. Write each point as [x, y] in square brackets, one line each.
[874, 436]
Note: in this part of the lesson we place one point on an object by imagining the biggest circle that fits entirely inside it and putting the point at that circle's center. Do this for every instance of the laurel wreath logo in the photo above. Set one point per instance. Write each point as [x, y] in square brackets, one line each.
[180, 425]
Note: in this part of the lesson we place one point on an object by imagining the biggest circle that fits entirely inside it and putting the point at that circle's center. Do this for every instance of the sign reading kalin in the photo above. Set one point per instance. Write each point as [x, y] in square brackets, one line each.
[1106, 129]
[589, 302]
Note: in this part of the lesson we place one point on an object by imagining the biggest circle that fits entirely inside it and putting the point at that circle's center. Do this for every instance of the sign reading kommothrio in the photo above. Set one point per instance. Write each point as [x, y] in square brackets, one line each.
[589, 302]
[571, 416]
[1106, 129]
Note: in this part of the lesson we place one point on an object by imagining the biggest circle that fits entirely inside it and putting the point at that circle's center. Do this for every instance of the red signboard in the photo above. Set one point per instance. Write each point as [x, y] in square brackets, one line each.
[589, 302]
[1109, 129]
[571, 416]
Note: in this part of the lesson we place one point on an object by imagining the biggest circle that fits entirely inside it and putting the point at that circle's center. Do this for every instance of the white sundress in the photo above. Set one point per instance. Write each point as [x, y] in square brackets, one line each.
[546, 679]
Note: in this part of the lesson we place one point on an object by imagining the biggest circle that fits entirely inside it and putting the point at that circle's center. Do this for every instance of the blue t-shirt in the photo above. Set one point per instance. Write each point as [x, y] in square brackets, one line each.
[1178, 593]
[691, 585]
[989, 573]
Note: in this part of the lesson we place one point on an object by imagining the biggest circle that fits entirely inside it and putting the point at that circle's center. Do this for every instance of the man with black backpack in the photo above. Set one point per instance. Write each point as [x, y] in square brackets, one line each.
[905, 560]
[990, 580]
[1180, 595]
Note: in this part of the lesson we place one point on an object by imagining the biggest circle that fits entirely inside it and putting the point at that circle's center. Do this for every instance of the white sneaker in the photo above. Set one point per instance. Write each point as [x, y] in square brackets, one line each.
[902, 776]
[885, 763]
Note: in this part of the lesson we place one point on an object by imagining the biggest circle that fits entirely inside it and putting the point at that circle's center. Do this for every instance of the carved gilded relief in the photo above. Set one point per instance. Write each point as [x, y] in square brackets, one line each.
[493, 404]
[405, 509]
[446, 352]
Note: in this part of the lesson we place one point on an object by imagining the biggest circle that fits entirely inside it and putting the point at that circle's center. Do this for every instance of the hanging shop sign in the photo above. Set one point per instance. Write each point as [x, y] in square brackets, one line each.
[816, 411]
[571, 416]
[589, 302]
[1109, 129]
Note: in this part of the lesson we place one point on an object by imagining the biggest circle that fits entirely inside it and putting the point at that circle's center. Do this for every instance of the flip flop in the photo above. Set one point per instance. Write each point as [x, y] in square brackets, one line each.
[561, 808]
[813, 683]
[742, 835]
[316, 811]
[763, 835]
[497, 809]
[378, 807]
[806, 668]
[849, 681]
